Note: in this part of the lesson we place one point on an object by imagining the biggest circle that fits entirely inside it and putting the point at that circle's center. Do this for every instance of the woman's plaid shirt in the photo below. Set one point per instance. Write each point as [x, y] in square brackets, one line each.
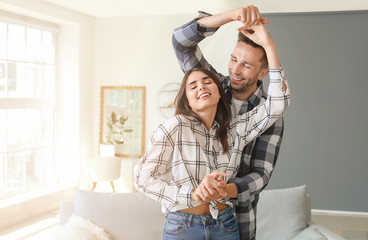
[182, 151]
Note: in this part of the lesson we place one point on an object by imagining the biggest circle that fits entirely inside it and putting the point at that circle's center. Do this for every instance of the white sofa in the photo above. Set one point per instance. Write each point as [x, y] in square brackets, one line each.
[283, 214]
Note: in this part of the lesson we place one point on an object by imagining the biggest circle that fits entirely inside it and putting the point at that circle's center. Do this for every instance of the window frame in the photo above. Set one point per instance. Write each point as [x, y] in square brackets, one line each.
[36, 103]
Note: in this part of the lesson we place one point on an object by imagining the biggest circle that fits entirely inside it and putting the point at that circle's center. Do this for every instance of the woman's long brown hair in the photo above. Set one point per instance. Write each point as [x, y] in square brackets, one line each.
[223, 114]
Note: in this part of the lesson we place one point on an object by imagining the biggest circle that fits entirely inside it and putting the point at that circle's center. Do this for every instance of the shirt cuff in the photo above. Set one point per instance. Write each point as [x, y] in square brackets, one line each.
[204, 30]
[277, 73]
[185, 196]
[243, 198]
[202, 14]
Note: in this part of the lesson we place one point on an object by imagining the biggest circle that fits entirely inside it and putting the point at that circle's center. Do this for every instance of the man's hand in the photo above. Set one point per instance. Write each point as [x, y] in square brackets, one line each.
[211, 188]
[260, 35]
[248, 15]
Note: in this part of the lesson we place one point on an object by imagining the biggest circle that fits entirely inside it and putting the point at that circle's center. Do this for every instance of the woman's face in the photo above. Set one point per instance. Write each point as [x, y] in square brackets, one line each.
[202, 92]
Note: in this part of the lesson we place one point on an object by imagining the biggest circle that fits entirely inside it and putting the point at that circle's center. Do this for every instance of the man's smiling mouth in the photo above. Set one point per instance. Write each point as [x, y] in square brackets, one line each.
[237, 78]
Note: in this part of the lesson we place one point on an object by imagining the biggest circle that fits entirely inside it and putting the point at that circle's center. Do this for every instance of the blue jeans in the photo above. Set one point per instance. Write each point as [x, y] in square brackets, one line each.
[181, 225]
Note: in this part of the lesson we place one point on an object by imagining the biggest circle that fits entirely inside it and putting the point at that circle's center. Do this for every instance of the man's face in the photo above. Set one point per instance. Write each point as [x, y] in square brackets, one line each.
[245, 68]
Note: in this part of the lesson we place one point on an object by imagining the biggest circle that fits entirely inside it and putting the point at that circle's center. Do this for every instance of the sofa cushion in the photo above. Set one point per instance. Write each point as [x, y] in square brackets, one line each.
[328, 234]
[66, 210]
[122, 215]
[310, 234]
[281, 213]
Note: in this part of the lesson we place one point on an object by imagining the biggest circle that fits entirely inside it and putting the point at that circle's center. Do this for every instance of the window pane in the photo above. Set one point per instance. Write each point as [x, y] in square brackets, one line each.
[47, 167]
[48, 45]
[34, 50]
[2, 175]
[3, 81]
[39, 169]
[32, 169]
[32, 128]
[33, 80]
[15, 172]
[16, 80]
[16, 41]
[47, 127]
[48, 82]
[2, 131]
[15, 129]
[3, 41]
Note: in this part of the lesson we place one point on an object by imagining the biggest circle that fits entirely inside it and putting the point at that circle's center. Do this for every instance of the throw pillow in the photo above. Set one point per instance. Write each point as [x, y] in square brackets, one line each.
[123, 215]
[281, 213]
[78, 228]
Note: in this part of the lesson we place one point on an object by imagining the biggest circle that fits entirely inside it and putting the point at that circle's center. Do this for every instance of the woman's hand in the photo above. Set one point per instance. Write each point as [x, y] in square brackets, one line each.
[248, 15]
[211, 188]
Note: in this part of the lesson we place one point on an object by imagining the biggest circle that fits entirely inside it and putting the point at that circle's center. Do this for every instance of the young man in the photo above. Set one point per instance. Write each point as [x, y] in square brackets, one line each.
[247, 67]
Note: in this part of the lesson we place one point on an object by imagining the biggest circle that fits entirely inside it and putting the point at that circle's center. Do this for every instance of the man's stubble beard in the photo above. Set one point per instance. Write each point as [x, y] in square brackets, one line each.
[243, 88]
[239, 89]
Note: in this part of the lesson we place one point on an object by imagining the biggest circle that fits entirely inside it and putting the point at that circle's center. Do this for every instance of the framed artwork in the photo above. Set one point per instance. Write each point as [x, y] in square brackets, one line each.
[122, 119]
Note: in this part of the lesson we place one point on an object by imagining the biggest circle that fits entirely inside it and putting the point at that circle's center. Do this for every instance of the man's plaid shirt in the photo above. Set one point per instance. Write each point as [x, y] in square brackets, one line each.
[259, 157]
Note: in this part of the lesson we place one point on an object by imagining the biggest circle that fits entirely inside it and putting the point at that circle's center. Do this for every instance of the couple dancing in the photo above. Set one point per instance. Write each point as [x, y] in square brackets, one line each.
[217, 153]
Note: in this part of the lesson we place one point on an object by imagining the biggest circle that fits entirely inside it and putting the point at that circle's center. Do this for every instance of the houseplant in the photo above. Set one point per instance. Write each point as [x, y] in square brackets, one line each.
[117, 129]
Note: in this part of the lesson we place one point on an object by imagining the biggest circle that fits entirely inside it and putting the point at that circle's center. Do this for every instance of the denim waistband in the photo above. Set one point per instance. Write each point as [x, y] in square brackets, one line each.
[186, 216]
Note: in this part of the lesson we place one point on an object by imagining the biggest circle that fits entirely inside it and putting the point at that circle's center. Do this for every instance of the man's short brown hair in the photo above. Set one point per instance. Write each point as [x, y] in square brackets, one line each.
[246, 40]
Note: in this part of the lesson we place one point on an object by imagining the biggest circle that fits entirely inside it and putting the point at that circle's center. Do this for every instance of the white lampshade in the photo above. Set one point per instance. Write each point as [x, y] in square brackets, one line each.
[107, 150]
[104, 169]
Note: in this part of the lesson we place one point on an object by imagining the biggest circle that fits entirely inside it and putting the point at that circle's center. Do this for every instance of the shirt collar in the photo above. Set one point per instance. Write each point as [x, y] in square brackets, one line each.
[215, 125]
[254, 99]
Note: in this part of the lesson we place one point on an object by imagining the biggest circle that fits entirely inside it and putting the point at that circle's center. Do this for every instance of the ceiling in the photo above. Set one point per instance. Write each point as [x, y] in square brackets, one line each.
[115, 8]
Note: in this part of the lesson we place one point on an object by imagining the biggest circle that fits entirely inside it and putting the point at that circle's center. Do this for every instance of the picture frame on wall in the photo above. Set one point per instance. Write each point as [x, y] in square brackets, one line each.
[122, 119]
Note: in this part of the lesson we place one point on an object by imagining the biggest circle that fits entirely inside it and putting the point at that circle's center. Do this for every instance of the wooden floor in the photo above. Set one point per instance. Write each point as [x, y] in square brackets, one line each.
[350, 226]
[41, 228]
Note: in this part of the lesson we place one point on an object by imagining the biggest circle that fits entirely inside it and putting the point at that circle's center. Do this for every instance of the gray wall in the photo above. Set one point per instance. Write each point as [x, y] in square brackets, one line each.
[325, 139]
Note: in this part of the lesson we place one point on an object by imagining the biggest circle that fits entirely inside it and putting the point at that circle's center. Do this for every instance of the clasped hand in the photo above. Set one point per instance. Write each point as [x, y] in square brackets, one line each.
[211, 188]
[253, 24]
[248, 15]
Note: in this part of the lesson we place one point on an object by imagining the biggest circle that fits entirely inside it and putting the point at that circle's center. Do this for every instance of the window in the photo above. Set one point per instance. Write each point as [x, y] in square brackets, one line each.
[28, 99]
